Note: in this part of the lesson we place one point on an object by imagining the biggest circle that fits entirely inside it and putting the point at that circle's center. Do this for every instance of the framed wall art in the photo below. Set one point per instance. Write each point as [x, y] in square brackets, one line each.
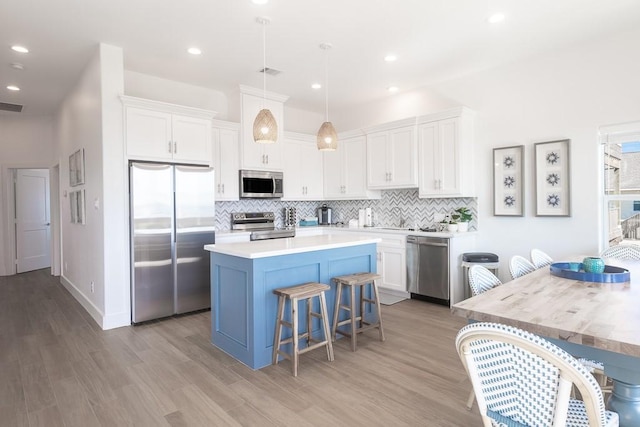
[553, 197]
[508, 181]
[76, 168]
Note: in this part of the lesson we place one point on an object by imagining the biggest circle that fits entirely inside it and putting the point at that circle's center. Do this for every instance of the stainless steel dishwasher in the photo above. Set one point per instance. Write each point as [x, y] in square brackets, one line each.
[428, 268]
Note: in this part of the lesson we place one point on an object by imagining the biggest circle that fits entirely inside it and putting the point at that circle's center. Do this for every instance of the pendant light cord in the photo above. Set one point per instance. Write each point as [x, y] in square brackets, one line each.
[326, 84]
[264, 62]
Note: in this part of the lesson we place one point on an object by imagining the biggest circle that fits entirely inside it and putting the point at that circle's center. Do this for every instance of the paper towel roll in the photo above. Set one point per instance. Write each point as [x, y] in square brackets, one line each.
[361, 218]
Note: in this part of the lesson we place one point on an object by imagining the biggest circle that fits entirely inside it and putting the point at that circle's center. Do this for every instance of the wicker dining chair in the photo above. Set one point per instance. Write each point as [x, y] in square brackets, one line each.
[622, 252]
[519, 266]
[481, 279]
[521, 379]
[540, 259]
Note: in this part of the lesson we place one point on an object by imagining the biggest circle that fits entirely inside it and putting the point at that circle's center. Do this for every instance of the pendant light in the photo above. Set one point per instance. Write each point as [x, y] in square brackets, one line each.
[265, 128]
[327, 136]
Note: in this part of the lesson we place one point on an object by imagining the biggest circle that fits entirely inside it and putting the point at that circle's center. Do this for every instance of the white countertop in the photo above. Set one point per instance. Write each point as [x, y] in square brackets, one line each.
[294, 245]
[327, 229]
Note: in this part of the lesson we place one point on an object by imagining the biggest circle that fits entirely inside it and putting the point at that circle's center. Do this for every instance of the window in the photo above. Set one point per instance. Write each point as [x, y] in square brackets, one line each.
[621, 157]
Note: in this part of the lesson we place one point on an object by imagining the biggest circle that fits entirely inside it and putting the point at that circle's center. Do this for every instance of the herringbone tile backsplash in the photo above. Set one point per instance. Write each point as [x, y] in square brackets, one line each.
[387, 211]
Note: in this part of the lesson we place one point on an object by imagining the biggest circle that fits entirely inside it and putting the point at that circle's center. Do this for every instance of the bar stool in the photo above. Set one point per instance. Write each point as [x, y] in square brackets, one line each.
[306, 291]
[352, 281]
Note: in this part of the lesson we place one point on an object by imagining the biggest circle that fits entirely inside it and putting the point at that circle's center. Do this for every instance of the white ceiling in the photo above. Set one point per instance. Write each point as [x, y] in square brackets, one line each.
[434, 40]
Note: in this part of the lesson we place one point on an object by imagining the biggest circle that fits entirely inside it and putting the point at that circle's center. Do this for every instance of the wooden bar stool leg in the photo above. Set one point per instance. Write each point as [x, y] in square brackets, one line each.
[278, 335]
[362, 310]
[353, 313]
[325, 326]
[336, 312]
[376, 296]
[294, 335]
[309, 324]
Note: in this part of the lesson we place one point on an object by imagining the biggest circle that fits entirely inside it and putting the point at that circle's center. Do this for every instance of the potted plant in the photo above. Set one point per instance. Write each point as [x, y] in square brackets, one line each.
[453, 223]
[464, 217]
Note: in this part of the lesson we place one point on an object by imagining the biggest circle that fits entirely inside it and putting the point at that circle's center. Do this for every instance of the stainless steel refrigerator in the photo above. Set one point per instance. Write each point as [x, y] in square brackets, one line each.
[172, 218]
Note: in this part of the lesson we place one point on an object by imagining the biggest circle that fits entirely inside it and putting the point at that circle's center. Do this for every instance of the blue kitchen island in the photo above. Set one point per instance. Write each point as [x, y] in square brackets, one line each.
[244, 274]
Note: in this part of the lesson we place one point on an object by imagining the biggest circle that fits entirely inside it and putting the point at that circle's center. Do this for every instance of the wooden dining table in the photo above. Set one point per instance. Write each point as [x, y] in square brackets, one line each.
[599, 321]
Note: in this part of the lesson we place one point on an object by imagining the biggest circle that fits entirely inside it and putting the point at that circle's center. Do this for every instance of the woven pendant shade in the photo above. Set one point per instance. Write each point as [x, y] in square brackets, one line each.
[265, 128]
[327, 137]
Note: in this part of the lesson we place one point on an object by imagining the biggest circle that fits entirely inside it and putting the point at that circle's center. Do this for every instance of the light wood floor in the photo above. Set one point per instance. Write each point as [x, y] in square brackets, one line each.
[58, 368]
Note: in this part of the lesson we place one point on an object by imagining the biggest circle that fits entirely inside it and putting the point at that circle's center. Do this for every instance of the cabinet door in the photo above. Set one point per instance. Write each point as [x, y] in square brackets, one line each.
[378, 173]
[354, 167]
[450, 157]
[260, 156]
[394, 269]
[402, 158]
[428, 152]
[294, 180]
[226, 163]
[148, 134]
[191, 139]
[332, 173]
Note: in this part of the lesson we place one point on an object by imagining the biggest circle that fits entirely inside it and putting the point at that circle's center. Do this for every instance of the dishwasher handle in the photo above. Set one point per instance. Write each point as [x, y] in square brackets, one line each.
[428, 241]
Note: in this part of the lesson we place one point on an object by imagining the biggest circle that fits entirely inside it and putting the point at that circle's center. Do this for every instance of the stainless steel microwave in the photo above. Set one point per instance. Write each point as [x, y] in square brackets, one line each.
[260, 184]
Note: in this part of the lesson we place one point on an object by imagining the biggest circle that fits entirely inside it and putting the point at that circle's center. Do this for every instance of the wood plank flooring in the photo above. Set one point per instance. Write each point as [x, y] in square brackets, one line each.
[58, 368]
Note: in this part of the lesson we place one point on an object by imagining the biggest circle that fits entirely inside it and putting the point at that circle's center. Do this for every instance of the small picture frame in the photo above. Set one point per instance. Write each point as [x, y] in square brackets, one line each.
[508, 181]
[76, 168]
[553, 186]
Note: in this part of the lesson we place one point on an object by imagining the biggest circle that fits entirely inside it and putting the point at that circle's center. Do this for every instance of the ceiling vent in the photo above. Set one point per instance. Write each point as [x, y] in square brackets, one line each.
[270, 71]
[10, 107]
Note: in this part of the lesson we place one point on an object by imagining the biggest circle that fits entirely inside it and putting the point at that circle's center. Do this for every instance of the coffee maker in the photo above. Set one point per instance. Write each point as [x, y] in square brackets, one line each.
[325, 215]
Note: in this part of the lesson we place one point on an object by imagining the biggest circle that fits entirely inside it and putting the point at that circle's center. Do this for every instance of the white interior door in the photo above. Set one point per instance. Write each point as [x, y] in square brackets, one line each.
[33, 222]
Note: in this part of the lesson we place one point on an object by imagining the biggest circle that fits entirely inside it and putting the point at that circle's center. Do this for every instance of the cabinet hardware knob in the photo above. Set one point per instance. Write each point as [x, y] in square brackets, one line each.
[222, 188]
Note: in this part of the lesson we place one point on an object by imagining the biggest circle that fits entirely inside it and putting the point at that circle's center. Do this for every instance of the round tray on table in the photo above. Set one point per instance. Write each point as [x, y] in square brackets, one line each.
[575, 271]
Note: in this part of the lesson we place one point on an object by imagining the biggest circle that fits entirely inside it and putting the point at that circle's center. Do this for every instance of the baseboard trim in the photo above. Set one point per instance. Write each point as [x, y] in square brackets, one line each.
[94, 311]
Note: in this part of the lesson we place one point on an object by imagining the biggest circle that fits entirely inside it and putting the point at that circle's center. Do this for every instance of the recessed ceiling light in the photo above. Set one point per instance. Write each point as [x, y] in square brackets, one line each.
[12, 87]
[392, 89]
[390, 58]
[496, 18]
[20, 49]
[17, 66]
[316, 86]
[259, 1]
[194, 51]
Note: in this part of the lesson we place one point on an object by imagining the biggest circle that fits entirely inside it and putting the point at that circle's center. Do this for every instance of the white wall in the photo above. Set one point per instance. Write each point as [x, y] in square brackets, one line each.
[90, 117]
[173, 92]
[25, 142]
[567, 94]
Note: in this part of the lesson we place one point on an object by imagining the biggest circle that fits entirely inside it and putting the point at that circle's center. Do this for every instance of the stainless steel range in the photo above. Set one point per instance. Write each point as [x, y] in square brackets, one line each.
[261, 225]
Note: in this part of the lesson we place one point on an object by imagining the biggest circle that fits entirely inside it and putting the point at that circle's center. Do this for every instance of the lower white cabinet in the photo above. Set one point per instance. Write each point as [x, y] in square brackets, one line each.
[392, 265]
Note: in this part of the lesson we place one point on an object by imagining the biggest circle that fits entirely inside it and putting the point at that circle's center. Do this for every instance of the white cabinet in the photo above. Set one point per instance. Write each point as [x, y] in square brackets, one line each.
[392, 160]
[252, 154]
[165, 132]
[302, 168]
[392, 265]
[445, 154]
[226, 159]
[345, 173]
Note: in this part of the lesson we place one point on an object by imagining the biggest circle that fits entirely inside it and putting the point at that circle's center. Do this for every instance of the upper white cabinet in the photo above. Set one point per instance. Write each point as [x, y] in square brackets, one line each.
[166, 132]
[303, 178]
[226, 163]
[445, 154]
[253, 155]
[345, 171]
[392, 160]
